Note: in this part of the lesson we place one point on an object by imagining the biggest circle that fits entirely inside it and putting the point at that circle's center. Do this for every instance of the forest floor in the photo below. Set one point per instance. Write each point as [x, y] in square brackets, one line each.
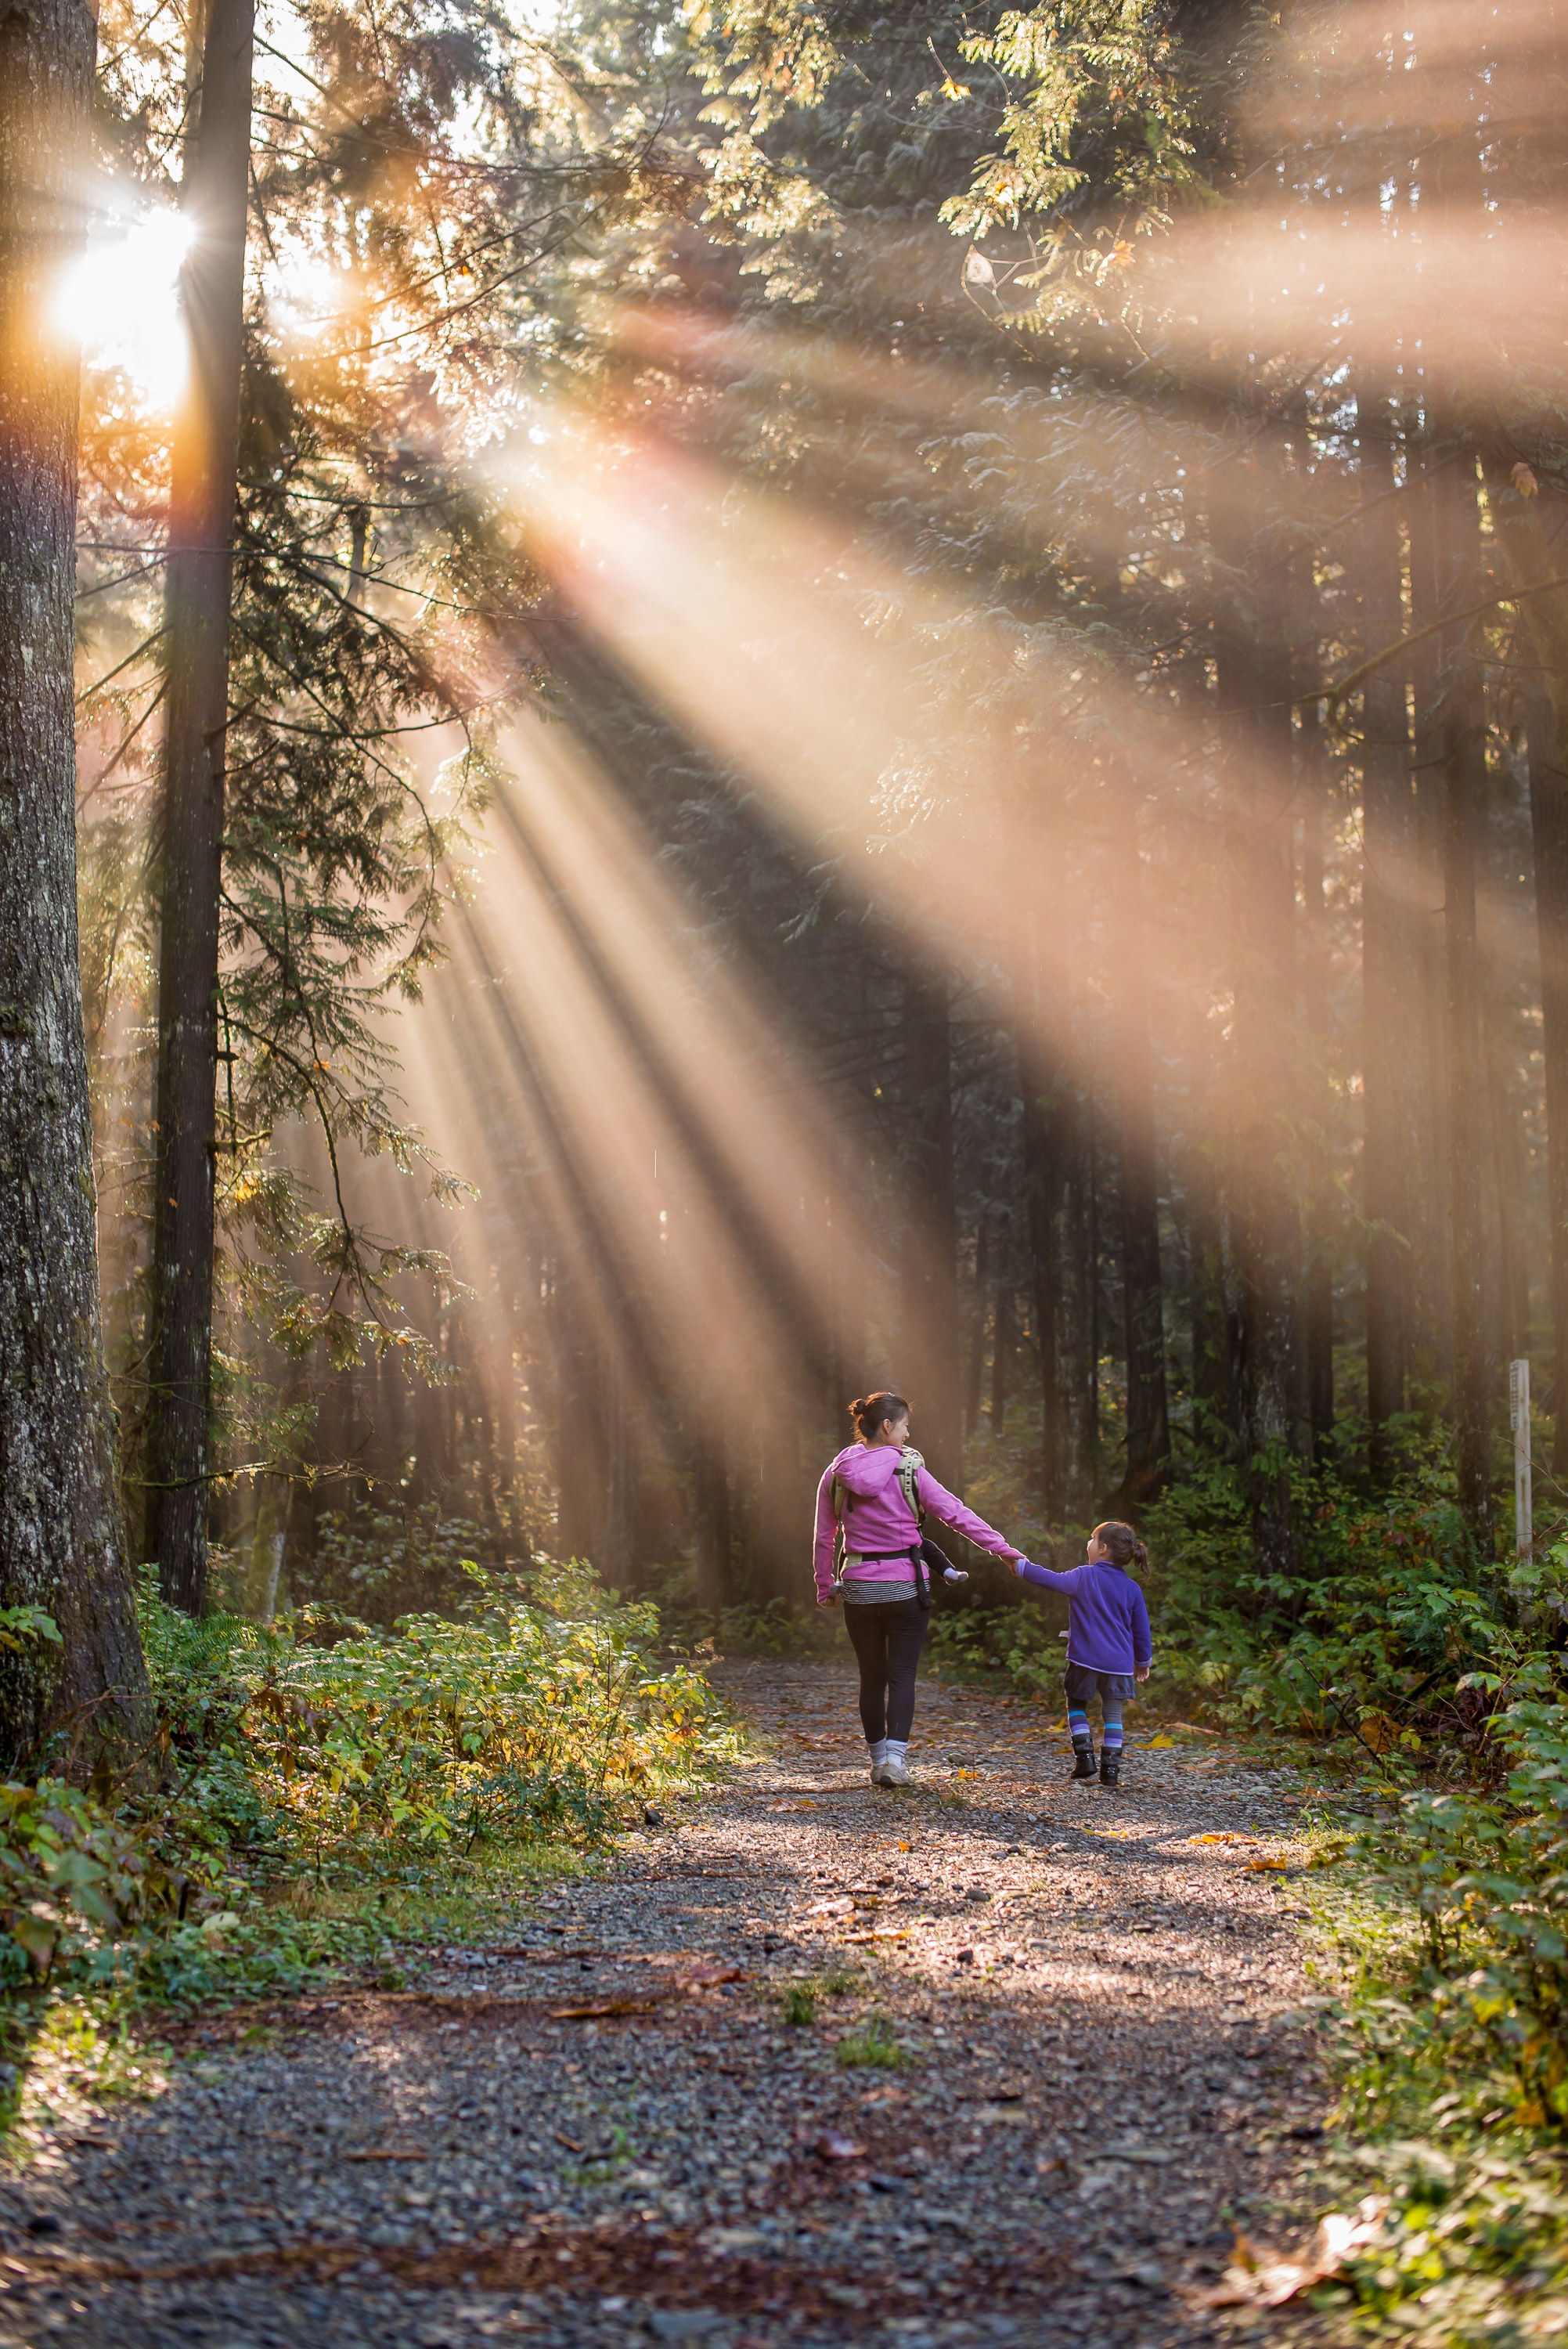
[1055, 2054]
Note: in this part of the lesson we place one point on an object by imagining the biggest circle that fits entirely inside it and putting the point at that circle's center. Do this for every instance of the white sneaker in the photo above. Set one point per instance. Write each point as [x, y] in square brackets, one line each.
[877, 1768]
[892, 1773]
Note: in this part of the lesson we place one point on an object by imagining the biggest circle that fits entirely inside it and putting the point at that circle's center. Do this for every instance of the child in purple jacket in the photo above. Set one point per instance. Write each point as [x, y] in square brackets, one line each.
[1109, 1645]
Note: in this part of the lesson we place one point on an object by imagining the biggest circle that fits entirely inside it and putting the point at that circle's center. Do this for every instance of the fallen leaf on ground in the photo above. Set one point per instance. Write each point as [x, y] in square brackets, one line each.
[1160, 1744]
[1267, 1866]
[833, 2146]
[389, 2153]
[1222, 1838]
[1256, 2280]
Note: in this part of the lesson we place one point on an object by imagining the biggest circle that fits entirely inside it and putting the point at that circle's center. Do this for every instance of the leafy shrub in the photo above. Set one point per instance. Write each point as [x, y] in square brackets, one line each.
[73, 1881]
[528, 1721]
[1486, 1877]
[325, 1746]
[378, 1567]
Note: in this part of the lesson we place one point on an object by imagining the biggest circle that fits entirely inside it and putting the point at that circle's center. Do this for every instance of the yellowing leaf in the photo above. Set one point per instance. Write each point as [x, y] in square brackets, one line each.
[1158, 1745]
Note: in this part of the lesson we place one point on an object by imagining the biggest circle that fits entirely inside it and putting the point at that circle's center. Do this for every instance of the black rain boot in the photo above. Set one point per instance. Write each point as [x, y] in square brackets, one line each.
[1111, 1766]
[1083, 1762]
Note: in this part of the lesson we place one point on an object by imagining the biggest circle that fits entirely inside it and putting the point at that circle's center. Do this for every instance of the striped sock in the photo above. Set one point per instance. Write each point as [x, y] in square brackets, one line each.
[1112, 1737]
[1078, 1722]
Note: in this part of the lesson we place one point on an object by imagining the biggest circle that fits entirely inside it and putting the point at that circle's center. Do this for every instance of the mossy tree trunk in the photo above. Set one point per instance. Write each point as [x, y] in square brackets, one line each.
[61, 1545]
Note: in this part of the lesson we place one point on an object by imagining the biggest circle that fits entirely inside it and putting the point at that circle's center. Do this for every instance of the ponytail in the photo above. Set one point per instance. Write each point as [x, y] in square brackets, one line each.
[1123, 1546]
[871, 1410]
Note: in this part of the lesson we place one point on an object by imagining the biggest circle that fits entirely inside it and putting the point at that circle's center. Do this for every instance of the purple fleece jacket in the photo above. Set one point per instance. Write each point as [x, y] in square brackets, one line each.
[1107, 1623]
[877, 1518]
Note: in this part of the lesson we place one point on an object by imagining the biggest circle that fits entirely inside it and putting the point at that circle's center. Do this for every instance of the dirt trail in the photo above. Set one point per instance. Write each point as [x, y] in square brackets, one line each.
[1105, 2060]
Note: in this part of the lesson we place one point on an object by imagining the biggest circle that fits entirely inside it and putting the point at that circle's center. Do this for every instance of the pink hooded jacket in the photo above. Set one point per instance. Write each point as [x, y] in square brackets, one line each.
[877, 1518]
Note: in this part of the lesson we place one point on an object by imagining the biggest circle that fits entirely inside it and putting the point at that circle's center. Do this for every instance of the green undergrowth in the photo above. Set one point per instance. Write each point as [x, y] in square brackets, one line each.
[322, 1793]
[1439, 1942]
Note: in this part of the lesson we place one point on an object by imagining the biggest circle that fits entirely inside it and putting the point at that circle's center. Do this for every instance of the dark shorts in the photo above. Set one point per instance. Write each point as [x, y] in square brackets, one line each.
[1082, 1684]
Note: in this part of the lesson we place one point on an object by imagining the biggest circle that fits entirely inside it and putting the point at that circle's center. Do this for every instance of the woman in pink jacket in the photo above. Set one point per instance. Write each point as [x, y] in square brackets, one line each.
[865, 1496]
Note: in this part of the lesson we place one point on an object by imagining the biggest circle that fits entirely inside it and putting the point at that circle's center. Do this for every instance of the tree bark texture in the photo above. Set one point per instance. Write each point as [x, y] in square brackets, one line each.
[198, 591]
[715, 1588]
[1389, 985]
[1317, 1269]
[1463, 735]
[974, 1363]
[1531, 543]
[928, 1333]
[1430, 1349]
[1003, 1348]
[1253, 671]
[1549, 833]
[1148, 1408]
[60, 1543]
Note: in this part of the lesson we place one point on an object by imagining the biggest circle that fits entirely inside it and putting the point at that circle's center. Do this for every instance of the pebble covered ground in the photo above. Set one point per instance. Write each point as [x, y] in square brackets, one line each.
[1051, 2046]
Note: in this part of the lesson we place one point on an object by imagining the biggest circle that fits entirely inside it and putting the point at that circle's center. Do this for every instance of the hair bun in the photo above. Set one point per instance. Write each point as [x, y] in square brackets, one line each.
[868, 1412]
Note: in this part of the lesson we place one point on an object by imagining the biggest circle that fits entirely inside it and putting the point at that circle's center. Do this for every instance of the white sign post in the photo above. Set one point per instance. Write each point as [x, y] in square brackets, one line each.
[1519, 1420]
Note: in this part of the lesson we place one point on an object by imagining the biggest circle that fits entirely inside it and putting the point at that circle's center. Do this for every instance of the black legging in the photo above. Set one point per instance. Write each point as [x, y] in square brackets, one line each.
[887, 1642]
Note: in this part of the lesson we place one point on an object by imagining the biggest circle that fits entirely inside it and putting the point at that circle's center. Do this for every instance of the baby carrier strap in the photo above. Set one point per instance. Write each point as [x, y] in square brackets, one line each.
[910, 1463]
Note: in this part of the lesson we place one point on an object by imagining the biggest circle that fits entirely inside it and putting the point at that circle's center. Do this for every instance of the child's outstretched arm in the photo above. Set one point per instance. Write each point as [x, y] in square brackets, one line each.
[1047, 1577]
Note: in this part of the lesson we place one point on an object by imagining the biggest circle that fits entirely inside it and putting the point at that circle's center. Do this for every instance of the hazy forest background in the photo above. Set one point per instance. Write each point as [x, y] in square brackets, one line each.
[895, 710]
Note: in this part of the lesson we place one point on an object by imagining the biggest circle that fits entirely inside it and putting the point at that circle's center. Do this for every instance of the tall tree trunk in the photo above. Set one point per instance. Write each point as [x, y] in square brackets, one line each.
[1502, 1049]
[1549, 833]
[1530, 545]
[1148, 1408]
[1431, 1328]
[715, 1586]
[1463, 722]
[974, 1367]
[196, 617]
[1076, 1237]
[785, 1489]
[60, 1542]
[580, 1435]
[1002, 1352]
[928, 1334]
[1206, 1301]
[1253, 672]
[1389, 993]
[1318, 1271]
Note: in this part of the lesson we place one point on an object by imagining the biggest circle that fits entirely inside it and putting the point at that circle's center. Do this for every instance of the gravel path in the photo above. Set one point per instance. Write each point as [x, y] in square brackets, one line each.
[607, 2128]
